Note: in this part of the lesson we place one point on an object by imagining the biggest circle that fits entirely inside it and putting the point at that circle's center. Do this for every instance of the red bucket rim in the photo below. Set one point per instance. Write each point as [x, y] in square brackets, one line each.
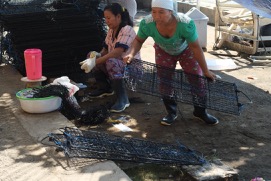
[32, 50]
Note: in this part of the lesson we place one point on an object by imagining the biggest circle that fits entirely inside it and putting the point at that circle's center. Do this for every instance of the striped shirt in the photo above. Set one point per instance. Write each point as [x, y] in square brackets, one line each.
[124, 40]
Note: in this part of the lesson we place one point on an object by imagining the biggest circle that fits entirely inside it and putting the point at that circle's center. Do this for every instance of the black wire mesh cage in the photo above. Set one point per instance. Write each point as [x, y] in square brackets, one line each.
[65, 31]
[152, 79]
[30, 6]
[92, 144]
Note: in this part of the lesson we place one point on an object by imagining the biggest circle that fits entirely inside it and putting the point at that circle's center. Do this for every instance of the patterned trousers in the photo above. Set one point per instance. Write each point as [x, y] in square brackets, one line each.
[189, 65]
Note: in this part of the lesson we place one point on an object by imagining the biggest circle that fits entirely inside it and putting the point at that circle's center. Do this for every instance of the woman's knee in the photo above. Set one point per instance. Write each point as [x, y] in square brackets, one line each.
[115, 67]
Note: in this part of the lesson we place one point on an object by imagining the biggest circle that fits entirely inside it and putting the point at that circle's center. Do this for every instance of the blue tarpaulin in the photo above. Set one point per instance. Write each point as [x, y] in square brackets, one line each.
[260, 7]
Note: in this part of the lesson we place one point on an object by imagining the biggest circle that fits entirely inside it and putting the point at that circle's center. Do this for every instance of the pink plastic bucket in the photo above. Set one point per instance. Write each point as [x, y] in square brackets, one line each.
[33, 64]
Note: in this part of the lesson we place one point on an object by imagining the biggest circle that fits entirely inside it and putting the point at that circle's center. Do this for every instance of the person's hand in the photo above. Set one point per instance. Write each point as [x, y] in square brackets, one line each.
[210, 75]
[91, 54]
[88, 64]
[128, 58]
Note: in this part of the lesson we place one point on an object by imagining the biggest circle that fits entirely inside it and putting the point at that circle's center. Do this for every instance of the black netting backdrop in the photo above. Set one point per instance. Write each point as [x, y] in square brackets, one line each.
[64, 30]
[148, 78]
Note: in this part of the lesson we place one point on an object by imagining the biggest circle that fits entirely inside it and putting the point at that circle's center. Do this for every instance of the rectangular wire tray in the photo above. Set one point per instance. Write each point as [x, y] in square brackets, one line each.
[142, 77]
[92, 144]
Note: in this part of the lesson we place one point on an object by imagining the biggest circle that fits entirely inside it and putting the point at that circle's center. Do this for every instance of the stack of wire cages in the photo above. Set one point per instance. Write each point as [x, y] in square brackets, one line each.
[65, 31]
[30, 6]
[152, 79]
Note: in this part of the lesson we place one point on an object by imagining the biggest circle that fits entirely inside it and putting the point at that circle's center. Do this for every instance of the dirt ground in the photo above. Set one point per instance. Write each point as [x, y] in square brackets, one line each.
[242, 142]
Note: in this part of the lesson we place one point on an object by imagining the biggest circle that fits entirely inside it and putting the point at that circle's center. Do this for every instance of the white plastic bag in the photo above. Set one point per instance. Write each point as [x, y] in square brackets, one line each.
[64, 80]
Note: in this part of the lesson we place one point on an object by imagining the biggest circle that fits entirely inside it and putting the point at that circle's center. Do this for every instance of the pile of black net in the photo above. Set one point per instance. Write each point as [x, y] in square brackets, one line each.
[65, 31]
[97, 145]
[144, 77]
[70, 107]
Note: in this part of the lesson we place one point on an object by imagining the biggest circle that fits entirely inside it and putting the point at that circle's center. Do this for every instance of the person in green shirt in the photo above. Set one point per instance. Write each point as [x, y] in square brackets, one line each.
[176, 40]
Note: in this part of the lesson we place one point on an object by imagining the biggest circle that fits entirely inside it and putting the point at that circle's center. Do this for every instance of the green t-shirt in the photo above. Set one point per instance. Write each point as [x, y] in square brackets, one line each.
[185, 32]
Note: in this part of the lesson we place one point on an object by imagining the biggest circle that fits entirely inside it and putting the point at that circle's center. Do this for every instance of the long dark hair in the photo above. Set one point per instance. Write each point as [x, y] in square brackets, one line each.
[116, 9]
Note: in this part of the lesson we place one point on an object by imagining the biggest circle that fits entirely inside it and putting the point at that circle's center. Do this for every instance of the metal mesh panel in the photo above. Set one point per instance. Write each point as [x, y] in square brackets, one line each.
[152, 79]
[91, 144]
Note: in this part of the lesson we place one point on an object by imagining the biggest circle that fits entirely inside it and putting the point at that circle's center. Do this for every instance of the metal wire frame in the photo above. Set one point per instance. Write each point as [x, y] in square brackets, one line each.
[92, 144]
[152, 79]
